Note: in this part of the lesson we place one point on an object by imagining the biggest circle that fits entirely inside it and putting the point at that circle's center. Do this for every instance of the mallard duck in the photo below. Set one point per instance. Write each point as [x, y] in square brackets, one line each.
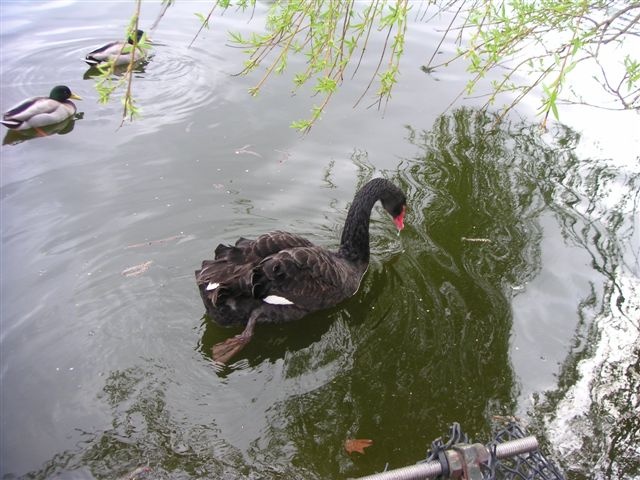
[279, 276]
[41, 111]
[118, 52]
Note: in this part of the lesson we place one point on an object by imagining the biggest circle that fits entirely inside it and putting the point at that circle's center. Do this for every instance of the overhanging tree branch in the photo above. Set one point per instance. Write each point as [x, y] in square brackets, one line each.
[543, 41]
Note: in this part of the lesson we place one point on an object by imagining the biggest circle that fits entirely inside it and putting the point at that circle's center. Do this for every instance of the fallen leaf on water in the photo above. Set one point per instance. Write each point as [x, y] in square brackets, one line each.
[137, 270]
[357, 444]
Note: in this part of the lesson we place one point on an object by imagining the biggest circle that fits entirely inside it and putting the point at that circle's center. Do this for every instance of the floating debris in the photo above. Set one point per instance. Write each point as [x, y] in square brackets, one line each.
[137, 270]
[138, 474]
[284, 156]
[476, 240]
[357, 445]
[248, 152]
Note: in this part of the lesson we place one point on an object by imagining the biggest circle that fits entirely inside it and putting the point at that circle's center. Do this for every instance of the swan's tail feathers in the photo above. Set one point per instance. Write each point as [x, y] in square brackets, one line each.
[203, 276]
[219, 295]
[210, 290]
[228, 251]
[222, 251]
[231, 254]
[215, 292]
[244, 242]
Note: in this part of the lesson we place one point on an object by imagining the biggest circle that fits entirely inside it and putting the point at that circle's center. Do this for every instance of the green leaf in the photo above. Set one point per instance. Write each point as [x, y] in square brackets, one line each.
[203, 19]
[236, 37]
[554, 110]
[301, 125]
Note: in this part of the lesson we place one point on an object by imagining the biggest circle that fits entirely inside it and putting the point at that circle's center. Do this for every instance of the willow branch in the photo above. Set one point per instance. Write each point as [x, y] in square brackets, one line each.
[129, 75]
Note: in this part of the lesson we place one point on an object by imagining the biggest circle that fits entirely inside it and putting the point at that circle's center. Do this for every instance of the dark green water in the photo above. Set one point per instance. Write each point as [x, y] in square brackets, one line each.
[520, 248]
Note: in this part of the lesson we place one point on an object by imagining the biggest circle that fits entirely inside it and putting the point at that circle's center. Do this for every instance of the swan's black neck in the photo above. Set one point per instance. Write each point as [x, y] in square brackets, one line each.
[354, 244]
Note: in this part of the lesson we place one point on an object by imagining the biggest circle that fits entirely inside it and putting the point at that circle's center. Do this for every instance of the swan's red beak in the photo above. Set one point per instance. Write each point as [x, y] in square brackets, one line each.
[399, 220]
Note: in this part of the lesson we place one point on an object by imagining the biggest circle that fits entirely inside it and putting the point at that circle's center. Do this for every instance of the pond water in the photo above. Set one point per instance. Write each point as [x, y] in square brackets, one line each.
[520, 248]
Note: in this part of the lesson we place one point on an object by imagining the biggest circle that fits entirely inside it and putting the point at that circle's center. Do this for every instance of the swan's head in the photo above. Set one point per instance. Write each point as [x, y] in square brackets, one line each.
[399, 219]
[395, 202]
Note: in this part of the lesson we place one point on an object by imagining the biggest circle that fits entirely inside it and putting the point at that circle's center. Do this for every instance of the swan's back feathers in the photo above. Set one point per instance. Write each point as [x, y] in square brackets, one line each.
[271, 243]
[225, 282]
[312, 278]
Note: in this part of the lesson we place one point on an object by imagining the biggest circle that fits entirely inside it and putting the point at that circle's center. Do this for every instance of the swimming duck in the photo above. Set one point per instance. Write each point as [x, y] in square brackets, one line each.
[41, 111]
[280, 276]
[121, 53]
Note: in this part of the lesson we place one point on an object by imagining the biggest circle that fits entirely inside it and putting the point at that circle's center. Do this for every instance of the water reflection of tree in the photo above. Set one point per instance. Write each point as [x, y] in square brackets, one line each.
[426, 340]
[145, 432]
[596, 205]
[428, 335]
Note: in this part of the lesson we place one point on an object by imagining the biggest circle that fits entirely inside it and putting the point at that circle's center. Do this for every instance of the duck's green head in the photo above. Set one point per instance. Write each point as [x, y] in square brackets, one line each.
[62, 93]
[138, 37]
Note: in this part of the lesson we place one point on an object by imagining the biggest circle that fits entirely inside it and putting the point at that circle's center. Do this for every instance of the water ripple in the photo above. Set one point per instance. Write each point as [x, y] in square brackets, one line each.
[168, 87]
[177, 82]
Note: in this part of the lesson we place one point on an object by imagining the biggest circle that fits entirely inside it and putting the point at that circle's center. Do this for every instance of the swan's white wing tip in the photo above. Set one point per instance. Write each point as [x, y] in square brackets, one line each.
[276, 300]
[212, 286]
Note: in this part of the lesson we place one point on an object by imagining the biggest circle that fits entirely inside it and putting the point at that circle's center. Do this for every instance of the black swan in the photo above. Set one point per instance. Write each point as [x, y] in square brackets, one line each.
[279, 276]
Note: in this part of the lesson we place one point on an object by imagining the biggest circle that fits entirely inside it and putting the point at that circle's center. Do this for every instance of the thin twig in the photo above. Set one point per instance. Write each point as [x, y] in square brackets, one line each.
[373, 76]
[202, 25]
[444, 35]
[129, 75]
[366, 40]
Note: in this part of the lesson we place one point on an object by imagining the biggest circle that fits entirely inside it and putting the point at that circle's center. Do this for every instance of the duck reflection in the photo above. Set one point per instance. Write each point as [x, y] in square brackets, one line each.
[14, 137]
[118, 71]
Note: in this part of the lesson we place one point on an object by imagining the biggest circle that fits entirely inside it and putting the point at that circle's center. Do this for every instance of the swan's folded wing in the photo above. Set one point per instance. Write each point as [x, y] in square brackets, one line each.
[312, 278]
[219, 279]
[272, 243]
[229, 275]
[254, 251]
